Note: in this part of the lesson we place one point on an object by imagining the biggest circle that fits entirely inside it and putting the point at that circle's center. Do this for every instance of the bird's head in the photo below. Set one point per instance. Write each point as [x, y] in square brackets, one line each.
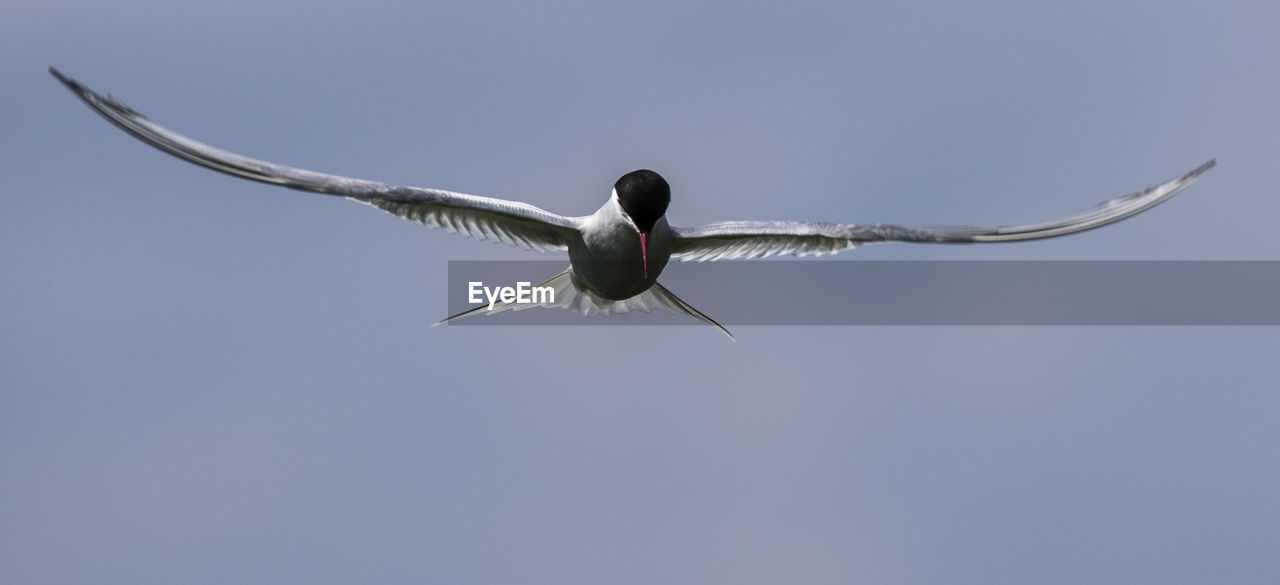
[643, 196]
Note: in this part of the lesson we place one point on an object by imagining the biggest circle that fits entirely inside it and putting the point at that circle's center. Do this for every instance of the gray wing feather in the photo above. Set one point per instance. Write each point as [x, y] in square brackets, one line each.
[759, 239]
[483, 218]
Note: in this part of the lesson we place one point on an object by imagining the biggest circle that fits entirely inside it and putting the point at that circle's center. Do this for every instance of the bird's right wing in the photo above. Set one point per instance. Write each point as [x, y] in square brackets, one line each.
[482, 218]
[758, 239]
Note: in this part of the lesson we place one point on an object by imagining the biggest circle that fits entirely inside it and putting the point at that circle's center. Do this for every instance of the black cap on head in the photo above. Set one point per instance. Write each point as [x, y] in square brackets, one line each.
[644, 196]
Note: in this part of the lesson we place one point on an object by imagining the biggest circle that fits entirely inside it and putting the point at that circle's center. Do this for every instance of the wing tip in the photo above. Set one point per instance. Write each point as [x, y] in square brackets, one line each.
[63, 78]
[75, 86]
[1173, 186]
[1202, 169]
[94, 99]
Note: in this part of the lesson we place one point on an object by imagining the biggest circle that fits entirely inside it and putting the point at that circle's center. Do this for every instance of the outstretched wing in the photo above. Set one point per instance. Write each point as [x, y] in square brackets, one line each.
[483, 218]
[758, 239]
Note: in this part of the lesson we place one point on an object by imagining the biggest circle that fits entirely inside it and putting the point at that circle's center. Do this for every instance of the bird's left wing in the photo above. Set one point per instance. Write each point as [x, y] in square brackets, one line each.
[482, 218]
[758, 239]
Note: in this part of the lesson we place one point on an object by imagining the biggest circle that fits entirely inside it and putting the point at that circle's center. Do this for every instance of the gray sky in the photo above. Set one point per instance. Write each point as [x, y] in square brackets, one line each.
[207, 380]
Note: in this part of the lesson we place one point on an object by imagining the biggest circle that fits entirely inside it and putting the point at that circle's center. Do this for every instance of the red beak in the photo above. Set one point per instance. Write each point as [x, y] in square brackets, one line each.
[644, 251]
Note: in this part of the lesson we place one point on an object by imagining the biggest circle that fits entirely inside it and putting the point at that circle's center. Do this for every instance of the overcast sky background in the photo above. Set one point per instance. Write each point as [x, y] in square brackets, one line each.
[208, 380]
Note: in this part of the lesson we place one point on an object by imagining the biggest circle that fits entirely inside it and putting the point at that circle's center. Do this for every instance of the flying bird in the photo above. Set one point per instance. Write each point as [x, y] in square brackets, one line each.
[617, 253]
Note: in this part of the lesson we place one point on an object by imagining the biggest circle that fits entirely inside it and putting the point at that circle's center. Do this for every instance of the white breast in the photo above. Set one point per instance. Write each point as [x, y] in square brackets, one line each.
[608, 258]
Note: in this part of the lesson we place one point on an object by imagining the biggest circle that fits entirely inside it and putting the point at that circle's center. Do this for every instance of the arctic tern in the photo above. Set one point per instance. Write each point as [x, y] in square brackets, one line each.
[617, 253]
